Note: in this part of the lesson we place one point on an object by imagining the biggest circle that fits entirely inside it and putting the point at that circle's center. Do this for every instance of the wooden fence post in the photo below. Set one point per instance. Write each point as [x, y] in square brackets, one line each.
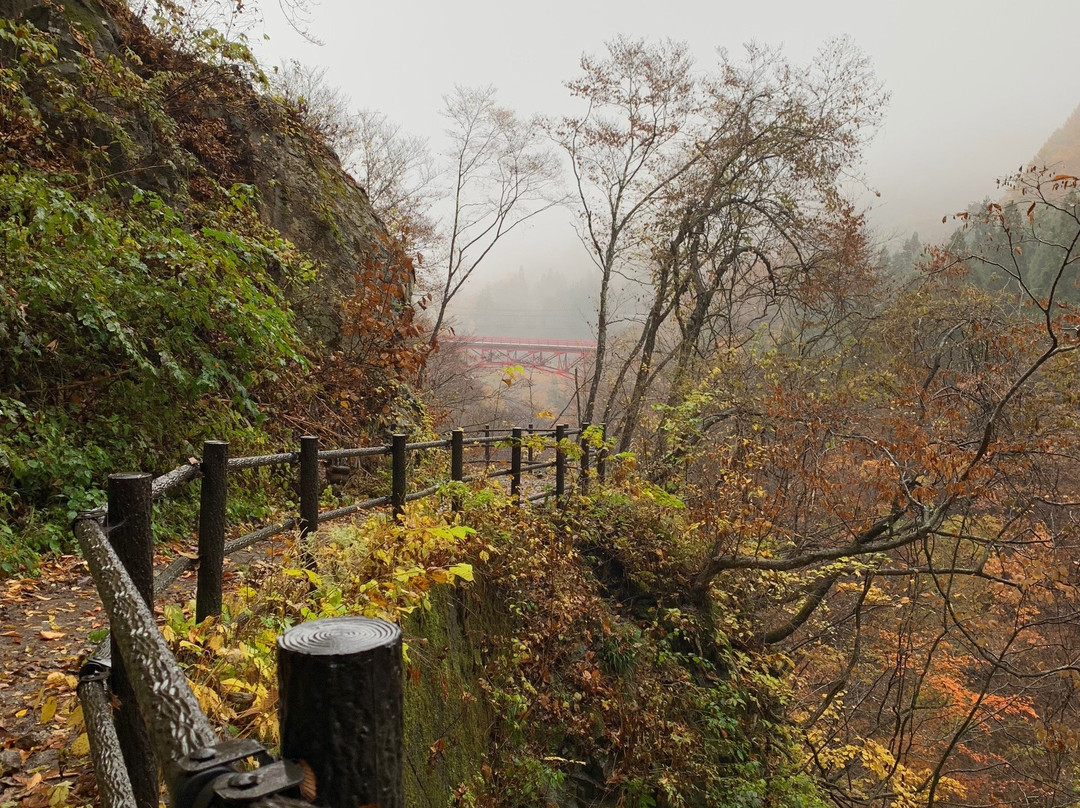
[457, 455]
[601, 456]
[457, 462]
[529, 459]
[583, 483]
[309, 496]
[212, 502]
[487, 447]
[309, 485]
[560, 460]
[515, 464]
[398, 479]
[348, 668]
[130, 530]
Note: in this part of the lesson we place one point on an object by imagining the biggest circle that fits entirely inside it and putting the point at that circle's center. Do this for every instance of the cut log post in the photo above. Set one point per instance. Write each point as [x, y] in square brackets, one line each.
[457, 455]
[398, 474]
[340, 709]
[560, 460]
[529, 458]
[309, 485]
[131, 536]
[601, 456]
[309, 496]
[515, 465]
[212, 504]
[457, 461]
[583, 482]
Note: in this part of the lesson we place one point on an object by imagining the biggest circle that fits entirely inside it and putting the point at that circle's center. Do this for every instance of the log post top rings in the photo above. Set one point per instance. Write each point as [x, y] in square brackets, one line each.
[339, 636]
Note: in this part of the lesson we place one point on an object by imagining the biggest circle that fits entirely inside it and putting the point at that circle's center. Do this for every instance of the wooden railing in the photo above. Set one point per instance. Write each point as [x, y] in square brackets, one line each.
[159, 723]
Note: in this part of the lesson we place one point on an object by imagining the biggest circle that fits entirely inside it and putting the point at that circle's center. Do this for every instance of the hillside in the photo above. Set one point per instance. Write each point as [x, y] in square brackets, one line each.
[175, 243]
[1062, 148]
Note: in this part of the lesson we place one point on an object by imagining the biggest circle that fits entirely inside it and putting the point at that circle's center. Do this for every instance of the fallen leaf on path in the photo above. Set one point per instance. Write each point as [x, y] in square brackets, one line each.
[48, 709]
[81, 746]
[51, 635]
[29, 783]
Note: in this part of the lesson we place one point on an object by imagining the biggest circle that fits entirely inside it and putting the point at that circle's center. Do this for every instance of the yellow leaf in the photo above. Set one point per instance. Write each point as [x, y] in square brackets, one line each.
[81, 746]
[48, 709]
[440, 576]
[463, 571]
[58, 796]
[51, 635]
[76, 717]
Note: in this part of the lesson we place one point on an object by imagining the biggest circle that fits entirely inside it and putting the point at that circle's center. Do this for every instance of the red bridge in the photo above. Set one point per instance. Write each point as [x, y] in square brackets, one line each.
[555, 356]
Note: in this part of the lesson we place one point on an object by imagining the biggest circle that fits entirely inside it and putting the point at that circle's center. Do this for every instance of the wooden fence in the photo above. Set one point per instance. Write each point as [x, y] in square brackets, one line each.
[348, 666]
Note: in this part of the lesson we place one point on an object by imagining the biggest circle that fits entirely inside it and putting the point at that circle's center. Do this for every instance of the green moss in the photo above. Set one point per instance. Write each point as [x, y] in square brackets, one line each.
[447, 716]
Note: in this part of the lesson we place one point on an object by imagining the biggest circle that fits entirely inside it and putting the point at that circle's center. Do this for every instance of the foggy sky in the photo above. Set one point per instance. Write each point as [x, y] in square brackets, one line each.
[976, 87]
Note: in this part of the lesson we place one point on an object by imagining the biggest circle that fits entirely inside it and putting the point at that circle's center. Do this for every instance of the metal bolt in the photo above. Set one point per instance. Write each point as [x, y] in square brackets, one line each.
[202, 754]
[245, 780]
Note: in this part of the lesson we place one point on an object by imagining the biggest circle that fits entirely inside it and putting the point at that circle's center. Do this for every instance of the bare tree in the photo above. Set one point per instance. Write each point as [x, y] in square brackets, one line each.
[501, 175]
[755, 205]
[398, 173]
[638, 99]
[324, 109]
[182, 20]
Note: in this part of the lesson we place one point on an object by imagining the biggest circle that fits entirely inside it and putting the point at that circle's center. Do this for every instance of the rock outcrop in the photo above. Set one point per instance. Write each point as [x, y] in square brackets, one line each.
[183, 124]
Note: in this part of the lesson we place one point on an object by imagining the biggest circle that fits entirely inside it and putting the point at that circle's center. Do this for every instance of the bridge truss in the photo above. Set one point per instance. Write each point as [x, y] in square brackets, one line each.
[553, 356]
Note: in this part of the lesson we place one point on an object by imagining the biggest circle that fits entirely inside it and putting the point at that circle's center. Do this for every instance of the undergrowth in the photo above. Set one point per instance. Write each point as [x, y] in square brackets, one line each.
[607, 687]
[144, 300]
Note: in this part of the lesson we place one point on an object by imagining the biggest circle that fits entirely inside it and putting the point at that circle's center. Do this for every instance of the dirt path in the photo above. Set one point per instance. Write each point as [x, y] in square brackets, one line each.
[47, 626]
[45, 629]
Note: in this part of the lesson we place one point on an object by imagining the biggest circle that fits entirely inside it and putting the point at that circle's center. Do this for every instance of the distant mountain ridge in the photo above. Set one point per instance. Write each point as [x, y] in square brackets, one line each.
[1062, 148]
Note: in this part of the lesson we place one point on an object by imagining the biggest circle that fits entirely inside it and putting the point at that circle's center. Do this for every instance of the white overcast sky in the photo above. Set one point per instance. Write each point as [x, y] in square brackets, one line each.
[976, 87]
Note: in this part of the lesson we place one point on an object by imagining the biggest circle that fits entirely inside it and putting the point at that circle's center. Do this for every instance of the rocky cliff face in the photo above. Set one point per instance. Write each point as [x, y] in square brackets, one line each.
[178, 124]
[180, 261]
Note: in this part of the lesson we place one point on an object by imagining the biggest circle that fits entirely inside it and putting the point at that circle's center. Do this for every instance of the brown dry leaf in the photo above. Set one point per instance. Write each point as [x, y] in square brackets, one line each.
[29, 783]
[308, 788]
[51, 635]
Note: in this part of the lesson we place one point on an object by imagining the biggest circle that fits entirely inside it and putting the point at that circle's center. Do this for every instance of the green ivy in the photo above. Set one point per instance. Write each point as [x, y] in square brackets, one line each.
[120, 316]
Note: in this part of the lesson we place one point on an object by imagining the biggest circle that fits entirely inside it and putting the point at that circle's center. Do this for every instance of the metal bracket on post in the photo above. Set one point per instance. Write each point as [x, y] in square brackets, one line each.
[207, 773]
